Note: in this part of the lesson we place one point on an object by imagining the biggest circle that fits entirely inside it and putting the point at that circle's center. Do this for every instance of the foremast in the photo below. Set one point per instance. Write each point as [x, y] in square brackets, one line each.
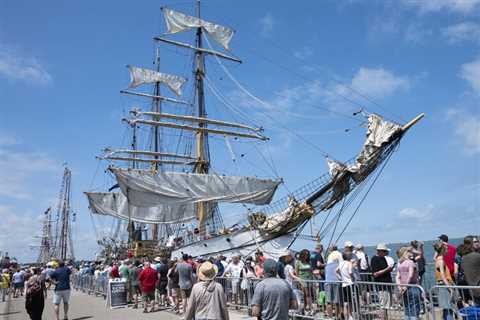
[202, 152]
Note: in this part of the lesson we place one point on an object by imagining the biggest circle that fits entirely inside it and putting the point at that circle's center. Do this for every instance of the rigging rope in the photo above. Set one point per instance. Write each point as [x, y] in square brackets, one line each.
[244, 90]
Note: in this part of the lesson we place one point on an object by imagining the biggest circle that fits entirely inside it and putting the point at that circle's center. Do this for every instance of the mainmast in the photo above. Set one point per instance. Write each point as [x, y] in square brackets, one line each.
[156, 137]
[203, 164]
[64, 246]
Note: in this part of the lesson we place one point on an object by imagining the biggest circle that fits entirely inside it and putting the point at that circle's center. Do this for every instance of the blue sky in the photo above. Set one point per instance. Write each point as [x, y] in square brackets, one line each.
[62, 65]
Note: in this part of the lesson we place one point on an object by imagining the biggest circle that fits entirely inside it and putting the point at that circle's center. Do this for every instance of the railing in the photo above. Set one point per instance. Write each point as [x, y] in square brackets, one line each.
[89, 284]
[320, 299]
[361, 300]
[449, 302]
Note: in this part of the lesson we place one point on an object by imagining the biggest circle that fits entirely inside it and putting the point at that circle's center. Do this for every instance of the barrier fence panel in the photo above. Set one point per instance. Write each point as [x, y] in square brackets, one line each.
[337, 300]
[361, 300]
[450, 302]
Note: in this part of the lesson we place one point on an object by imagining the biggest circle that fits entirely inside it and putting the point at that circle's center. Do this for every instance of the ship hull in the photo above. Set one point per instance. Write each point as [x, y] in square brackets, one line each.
[243, 243]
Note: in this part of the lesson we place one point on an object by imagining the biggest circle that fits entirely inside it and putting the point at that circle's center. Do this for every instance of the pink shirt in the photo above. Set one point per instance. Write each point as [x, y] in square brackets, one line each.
[403, 270]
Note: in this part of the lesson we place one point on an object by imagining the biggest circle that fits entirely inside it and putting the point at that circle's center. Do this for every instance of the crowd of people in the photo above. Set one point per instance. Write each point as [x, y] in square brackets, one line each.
[335, 282]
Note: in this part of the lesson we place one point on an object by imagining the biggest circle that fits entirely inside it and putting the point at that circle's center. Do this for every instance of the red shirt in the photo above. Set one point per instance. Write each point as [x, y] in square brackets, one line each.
[148, 278]
[449, 258]
[114, 272]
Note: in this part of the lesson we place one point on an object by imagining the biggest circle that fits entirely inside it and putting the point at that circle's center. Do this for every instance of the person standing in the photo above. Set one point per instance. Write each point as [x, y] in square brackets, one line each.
[345, 274]
[363, 263]
[303, 269]
[471, 266]
[416, 248]
[273, 297]
[185, 279]
[207, 299]
[173, 285]
[148, 278]
[162, 269]
[18, 280]
[443, 278]
[234, 271]
[34, 295]
[133, 275]
[333, 285]
[4, 283]
[123, 270]
[450, 255]
[61, 278]
[382, 273]
[407, 274]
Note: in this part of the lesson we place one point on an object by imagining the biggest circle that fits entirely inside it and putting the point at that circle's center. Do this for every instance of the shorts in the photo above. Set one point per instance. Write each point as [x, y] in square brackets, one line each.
[148, 296]
[332, 293]
[60, 295]
[347, 295]
[235, 286]
[162, 288]
[186, 293]
[136, 289]
[18, 285]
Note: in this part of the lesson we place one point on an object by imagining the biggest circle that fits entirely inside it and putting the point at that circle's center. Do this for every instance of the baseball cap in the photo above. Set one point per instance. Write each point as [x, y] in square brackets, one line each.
[348, 244]
[443, 237]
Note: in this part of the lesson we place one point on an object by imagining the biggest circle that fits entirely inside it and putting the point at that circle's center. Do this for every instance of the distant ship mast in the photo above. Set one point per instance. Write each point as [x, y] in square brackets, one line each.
[63, 230]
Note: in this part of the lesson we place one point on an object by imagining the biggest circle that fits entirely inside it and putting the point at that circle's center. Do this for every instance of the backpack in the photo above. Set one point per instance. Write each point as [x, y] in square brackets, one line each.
[35, 287]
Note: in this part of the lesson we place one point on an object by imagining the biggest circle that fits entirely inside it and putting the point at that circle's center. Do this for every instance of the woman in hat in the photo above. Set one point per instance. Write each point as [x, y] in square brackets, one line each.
[207, 300]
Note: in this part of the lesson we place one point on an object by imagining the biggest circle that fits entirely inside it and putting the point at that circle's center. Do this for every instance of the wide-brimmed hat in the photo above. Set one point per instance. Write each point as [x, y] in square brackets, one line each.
[382, 247]
[158, 259]
[207, 271]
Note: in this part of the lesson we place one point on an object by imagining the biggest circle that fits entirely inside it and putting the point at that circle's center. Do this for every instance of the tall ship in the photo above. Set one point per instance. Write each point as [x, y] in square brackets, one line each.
[166, 188]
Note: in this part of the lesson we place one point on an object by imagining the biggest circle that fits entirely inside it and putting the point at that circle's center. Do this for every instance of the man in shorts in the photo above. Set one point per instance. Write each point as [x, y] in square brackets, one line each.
[61, 278]
[185, 279]
[18, 280]
[148, 279]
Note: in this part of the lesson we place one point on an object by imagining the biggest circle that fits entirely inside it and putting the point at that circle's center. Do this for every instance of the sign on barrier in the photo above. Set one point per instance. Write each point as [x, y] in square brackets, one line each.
[117, 294]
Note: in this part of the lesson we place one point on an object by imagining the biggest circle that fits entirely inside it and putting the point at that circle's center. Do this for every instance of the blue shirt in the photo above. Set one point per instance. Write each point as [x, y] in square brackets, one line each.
[62, 276]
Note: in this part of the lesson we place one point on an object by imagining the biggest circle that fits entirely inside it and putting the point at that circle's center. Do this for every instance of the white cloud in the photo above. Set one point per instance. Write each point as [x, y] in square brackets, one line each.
[417, 213]
[464, 31]
[15, 66]
[378, 83]
[16, 169]
[416, 33]
[458, 6]
[267, 23]
[303, 53]
[466, 129]
[471, 72]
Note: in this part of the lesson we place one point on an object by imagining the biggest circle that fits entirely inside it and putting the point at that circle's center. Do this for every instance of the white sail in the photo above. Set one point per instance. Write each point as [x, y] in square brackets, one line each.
[379, 133]
[178, 22]
[139, 76]
[144, 188]
[116, 205]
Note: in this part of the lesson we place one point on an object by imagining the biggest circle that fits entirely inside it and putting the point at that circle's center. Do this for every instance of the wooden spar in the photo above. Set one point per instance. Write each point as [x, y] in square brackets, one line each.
[140, 94]
[197, 119]
[196, 129]
[413, 122]
[147, 160]
[149, 153]
[203, 50]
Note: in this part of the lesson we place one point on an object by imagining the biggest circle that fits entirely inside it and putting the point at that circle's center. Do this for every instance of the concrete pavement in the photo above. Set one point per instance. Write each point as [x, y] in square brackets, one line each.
[85, 307]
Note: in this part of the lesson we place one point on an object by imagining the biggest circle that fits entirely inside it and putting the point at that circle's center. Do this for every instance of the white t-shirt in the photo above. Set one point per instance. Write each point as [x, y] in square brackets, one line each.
[234, 269]
[288, 274]
[390, 261]
[344, 267]
[363, 260]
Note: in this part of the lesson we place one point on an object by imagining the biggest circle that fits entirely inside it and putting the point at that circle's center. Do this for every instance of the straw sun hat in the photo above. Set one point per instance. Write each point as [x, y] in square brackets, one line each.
[207, 271]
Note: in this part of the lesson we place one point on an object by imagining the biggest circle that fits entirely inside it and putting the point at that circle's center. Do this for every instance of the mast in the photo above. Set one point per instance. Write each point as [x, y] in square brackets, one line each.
[156, 108]
[65, 249]
[201, 136]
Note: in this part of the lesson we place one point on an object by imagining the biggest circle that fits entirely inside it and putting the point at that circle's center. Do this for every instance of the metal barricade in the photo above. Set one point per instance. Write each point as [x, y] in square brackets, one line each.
[336, 300]
[89, 284]
[450, 302]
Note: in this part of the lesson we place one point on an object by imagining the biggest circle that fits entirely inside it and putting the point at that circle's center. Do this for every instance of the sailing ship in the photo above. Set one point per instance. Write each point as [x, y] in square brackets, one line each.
[161, 186]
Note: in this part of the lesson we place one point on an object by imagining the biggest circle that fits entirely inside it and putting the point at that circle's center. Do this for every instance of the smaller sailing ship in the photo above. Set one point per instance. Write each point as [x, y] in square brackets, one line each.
[186, 198]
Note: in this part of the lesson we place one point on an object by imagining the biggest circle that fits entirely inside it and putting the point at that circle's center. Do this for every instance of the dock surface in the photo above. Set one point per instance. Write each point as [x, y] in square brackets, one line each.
[84, 306]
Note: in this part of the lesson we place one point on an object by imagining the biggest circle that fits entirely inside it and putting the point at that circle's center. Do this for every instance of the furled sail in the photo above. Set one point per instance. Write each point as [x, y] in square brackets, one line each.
[144, 188]
[178, 22]
[116, 205]
[139, 76]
